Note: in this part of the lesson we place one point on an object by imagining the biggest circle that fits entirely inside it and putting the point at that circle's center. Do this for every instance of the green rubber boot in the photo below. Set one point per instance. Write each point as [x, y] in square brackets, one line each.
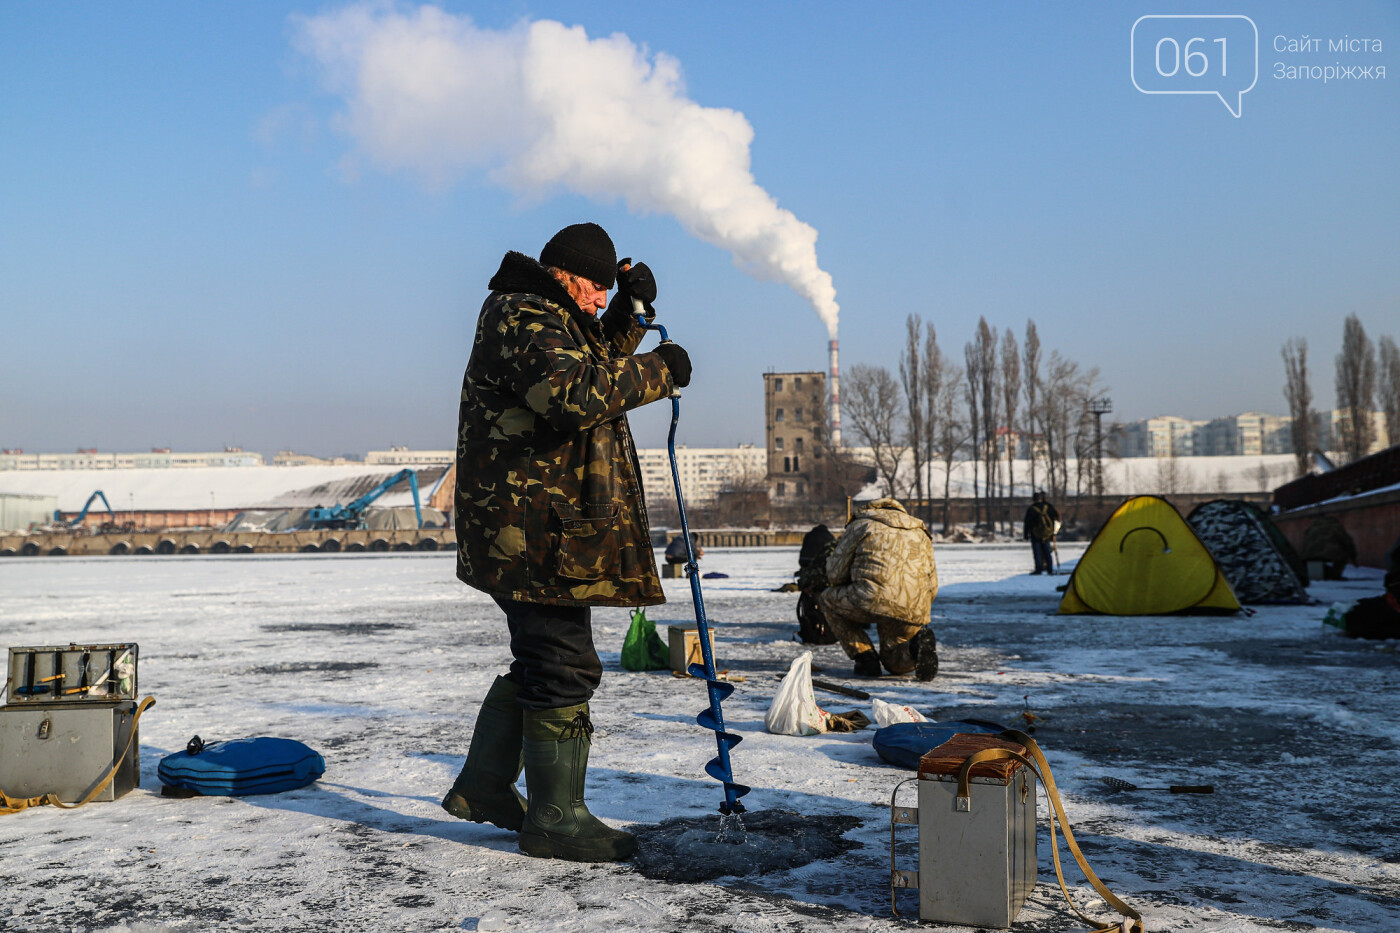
[558, 824]
[485, 790]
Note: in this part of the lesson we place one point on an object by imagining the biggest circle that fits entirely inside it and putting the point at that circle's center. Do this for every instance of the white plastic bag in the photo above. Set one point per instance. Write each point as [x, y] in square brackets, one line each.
[795, 710]
[887, 714]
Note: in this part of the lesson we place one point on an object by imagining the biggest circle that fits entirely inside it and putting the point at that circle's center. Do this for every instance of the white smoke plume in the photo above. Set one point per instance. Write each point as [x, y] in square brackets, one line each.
[542, 106]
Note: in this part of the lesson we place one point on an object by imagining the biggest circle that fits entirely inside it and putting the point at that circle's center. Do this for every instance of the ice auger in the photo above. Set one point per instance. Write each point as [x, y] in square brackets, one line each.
[713, 717]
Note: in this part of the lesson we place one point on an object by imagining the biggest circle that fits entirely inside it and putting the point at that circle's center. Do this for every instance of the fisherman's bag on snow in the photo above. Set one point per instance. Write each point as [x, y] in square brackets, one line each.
[642, 648]
[903, 744]
[239, 768]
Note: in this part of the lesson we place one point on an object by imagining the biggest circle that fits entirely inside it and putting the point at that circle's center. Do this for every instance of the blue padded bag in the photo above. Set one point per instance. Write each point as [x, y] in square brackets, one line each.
[242, 767]
[904, 743]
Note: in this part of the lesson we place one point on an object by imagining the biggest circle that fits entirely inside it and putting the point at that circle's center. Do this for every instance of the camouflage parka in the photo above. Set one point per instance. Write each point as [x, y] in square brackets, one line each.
[549, 505]
[882, 564]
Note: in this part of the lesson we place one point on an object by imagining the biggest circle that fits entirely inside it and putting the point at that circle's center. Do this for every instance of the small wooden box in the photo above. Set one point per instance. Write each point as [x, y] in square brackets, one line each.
[685, 647]
[672, 571]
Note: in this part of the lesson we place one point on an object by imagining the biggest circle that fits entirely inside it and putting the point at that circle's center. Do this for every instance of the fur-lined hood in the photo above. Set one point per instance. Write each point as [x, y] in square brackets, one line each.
[520, 274]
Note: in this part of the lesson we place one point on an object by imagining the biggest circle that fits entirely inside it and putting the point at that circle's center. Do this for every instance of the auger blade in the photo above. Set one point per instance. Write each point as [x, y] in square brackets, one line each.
[727, 739]
[738, 789]
[719, 689]
[708, 720]
[715, 770]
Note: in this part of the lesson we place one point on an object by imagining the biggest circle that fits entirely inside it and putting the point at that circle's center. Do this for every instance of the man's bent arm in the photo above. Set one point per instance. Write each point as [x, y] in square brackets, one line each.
[563, 384]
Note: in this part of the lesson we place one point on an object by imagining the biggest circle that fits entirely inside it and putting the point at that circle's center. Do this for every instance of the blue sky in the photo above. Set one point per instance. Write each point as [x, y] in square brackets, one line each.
[196, 250]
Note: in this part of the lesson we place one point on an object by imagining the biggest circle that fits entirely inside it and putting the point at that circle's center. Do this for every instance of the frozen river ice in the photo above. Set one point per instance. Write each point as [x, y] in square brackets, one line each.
[378, 662]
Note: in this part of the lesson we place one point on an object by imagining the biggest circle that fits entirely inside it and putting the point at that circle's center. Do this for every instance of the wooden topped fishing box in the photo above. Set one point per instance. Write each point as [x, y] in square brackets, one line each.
[977, 853]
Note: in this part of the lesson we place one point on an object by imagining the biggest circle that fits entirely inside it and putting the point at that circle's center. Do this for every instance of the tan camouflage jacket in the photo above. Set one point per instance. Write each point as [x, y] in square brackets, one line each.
[883, 564]
[549, 504]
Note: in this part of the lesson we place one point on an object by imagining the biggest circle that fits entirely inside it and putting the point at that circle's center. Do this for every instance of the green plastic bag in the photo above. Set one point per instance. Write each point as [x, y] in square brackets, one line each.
[642, 649]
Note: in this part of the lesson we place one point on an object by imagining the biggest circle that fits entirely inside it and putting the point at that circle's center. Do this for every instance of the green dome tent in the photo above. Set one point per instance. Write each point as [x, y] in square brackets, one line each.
[1146, 560]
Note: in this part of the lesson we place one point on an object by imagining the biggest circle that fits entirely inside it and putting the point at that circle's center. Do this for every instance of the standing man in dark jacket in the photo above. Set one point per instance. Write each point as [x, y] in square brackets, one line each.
[551, 521]
[1041, 524]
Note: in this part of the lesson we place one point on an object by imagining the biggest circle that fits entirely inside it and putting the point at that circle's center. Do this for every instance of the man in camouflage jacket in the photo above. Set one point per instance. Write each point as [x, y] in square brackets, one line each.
[551, 521]
[882, 571]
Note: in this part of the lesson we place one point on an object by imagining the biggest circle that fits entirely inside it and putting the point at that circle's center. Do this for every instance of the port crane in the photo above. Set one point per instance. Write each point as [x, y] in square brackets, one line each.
[78, 522]
[352, 515]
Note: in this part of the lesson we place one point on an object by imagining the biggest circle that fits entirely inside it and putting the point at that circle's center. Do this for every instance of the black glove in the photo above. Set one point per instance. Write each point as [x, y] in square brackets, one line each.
[636, 282]
[632, 282]
[677, 361]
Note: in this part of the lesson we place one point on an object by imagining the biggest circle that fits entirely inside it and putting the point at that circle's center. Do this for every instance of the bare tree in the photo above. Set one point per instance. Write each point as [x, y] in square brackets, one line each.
[1030, 366]
[1085, 441]
[1388, 388]
[1011, 395]
[952, 433]
[742, 498]
[911, 380]
[1356, 389]
[1169, 476]
[871, 406]
[1066, 422]
[1056, 411]
[937, 387]
[1299, 394]
[972, 372]
[986, 342]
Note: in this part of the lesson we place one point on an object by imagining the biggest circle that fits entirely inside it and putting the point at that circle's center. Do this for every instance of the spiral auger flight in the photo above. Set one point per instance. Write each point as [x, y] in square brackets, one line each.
[712, 717]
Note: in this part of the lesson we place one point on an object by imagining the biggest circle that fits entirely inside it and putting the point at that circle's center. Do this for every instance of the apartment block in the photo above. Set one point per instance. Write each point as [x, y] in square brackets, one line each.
[402, 456]
[157, 458]
[1163, 436]
[705, 472]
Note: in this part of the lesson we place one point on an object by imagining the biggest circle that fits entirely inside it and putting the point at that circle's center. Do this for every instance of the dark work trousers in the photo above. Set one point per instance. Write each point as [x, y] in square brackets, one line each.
[1041, 548]
[555, 663]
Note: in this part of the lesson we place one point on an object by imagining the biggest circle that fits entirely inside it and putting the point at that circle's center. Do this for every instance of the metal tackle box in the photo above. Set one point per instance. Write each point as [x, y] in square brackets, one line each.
[977, 854]
[72, 674]
[69, 713]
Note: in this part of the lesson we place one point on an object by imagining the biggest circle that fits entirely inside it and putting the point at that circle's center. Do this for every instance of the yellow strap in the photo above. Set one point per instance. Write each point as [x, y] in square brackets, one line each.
[1041, 769]
[10, 804]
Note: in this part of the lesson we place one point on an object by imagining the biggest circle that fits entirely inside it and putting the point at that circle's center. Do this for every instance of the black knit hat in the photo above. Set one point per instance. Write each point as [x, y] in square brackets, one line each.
[583, 249]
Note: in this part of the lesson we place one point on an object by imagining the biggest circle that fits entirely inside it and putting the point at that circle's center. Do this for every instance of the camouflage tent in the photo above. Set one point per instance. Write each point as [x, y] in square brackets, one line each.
[1261, 567]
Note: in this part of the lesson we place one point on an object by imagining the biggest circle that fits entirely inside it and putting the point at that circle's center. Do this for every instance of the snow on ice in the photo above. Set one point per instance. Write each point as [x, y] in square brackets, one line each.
[379, 662]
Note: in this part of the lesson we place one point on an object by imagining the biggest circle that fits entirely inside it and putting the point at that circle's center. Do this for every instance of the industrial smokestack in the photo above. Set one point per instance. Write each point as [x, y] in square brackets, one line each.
[834, 389]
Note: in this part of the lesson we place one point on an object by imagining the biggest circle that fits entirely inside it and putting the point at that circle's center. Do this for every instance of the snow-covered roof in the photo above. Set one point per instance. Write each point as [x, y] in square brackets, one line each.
[1129, 476]
[216, 487]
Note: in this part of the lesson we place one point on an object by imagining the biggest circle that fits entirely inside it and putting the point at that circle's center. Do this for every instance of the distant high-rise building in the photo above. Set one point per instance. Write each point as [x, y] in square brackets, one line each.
[1251, 434]
[1163, 436]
